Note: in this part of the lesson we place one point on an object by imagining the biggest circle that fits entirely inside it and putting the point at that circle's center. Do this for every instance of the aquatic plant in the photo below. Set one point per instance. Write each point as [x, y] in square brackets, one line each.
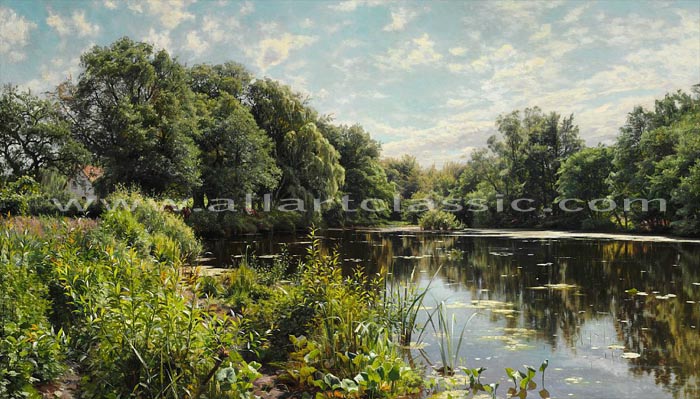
[404, 301]
[445, 330]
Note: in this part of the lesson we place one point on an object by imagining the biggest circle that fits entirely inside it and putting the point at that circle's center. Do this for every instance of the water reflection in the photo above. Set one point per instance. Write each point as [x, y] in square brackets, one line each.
[563, 299]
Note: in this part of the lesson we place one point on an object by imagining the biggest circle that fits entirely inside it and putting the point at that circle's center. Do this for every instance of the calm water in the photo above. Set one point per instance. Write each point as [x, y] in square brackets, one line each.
[535, 299]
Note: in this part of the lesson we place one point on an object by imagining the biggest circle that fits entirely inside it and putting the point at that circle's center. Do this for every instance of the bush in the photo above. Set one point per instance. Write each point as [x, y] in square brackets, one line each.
[145, 226]
[30, 350]
[438, 220]
[15, 196]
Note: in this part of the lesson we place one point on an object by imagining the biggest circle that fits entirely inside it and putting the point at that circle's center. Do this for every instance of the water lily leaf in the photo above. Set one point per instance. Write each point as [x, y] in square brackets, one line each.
[630, 355]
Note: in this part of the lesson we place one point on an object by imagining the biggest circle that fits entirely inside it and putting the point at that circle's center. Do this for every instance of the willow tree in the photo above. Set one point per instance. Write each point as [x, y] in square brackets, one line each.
[309, 163]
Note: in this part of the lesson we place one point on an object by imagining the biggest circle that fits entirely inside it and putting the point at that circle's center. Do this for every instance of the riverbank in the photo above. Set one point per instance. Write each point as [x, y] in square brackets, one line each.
[529, 234]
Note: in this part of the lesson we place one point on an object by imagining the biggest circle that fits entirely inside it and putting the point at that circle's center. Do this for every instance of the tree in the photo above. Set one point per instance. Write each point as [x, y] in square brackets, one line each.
[35, 137]
[551, 140]
[133, 109]
[216, 80]
[364, 175]
[528, 154]
[647, 163]
[235, 154]
[405, 173]
[309, 163]
[583, 177]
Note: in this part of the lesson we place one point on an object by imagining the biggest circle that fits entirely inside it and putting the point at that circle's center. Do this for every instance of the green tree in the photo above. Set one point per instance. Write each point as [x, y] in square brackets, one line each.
[34, 137]
[583, 177]
[528, 154]
[235, 154]
[133, 109]
[646, 160]
[364, 175]
[405, 173]
[309, 163]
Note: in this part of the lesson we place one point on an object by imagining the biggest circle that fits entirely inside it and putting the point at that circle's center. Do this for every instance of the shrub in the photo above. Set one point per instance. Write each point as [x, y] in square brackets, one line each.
[30, 350]
[438, 220]
[15, 196]
[145, 226]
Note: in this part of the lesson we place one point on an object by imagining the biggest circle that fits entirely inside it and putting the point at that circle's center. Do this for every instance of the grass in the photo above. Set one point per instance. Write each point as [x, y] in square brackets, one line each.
[445, 330]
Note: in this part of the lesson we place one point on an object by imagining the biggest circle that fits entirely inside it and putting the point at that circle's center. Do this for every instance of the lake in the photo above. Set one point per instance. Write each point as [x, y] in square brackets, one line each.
[579, 301]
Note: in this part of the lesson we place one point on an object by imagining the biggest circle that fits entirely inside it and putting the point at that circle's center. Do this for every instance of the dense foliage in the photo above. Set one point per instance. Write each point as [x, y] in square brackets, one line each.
[216, 138]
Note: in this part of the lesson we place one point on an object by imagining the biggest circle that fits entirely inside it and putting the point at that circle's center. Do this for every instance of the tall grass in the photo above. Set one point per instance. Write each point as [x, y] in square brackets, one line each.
[404, 301]
[445, 330]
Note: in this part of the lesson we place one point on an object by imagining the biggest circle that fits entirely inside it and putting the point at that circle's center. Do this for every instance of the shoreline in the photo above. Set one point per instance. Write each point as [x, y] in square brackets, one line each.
[532, 233]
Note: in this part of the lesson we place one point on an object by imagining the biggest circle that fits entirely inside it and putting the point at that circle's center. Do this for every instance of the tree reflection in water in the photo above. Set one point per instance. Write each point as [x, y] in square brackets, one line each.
[663, 329]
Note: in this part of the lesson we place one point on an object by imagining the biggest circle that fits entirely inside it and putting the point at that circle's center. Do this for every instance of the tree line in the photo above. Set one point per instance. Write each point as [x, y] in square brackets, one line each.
[215, 131]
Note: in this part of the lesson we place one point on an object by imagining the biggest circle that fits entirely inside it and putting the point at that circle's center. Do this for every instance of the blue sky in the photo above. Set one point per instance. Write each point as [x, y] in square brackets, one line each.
[425, 78]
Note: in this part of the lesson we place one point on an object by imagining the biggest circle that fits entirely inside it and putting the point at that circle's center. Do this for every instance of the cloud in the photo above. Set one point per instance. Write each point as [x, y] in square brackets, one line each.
[110, 4]
[55, 72]
[170, 12]
[399, 19]
[195, 44]
[419, 51]
[489, 60]
[575, 14]
[159, 40]
[321, 94]
[273, 51]
[213, 29]
[457, 51]
[307, 23]
[246, 8]
[14, 35]
[352, 5]
[543, 33]
[77, 24]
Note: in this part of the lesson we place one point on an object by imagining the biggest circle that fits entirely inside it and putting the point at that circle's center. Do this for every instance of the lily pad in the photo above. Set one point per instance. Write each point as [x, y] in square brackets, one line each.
[630, 355]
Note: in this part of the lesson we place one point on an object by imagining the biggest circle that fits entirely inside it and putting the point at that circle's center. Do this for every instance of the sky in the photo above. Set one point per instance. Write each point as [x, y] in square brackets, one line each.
[424, 78]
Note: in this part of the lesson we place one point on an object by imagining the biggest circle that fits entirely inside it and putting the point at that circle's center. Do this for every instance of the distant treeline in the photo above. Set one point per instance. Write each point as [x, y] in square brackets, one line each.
[214, 131]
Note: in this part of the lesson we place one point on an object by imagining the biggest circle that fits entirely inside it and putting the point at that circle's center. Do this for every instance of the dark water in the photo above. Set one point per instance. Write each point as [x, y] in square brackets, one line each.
[535, 299]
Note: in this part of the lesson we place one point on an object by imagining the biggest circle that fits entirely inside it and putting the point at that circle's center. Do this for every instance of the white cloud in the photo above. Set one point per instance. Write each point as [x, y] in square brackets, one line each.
[399, 19]
[82, 26]
[351, 43]
[419, 51]
[60, 24]
[195, 44]
[77, 24]
[110, 4]
[492, 57]
[575, 14]
[160, 40]
[55, 72]
[352, 5]
[14, 34]
[307, 23]
[213, 29]
[170, 12]
[458, 51]
[543, 33]
[335, 27]
[135, 6]
[322, 94]
[273, 51]
[246, 8]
